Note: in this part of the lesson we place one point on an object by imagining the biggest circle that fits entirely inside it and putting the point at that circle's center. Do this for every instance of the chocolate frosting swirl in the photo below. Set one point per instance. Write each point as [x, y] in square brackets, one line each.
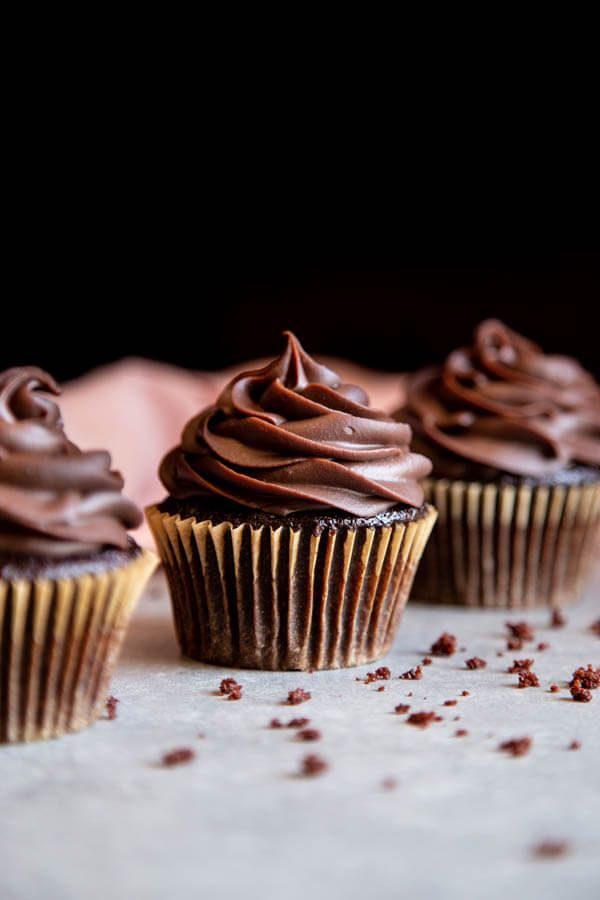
[502, 403]
[290, 437]
[55, 501]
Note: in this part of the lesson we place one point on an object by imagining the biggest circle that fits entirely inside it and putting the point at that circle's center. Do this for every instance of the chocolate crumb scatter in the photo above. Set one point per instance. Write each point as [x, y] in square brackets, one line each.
[465, 693]
[450, 702]
[574, 745]
[595, 627]
[402, 708]
[517, 746]
[426, 661]
[521, 630]
[514, 644]
[461, 732]
[579, 693]
[309, 734]
[111, 708]
[230, 686]
[520, 665]
[313, 765]
[412, 674]
[389, 784]
[444, 646]
[298, 696]
[550, 849]
[178, 756]
[380, 674]
[423, 719]
[297, 723]
[557, 619]
[588, 678]
[543, 646]
[554, 689]
[528, 679]
[475, 663]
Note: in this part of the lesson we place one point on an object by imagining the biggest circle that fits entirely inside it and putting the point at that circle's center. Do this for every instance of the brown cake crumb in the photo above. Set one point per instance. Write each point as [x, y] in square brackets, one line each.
[413, 674]
[574, 745]
[475, 663]
[543, 646]
[230, 686]
[450, 702]
[426, 661]
[554, 689]
[444, 646]
[380, 674]
[557, 619]
[456, 719]
[579, 693]
[517, 746]
[380, 689]
[595, 627]
[465, 693]
[550, 849]
[499, 653]
[389, 784]
[275, 723]
[589, 678]
[298, 696]
[521, 630]
[312, 764]
[528, 679]
[402, 708]
[297, 723]
[520, 665]
[423, 719]
[309, 734]
[178, 756]
[514, 644]
[111, 707]
[461, 732]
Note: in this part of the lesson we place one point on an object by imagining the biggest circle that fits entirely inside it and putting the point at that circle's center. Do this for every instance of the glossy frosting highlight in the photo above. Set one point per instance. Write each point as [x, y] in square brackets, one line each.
[55, 500]
[502, 403]
[291, 437]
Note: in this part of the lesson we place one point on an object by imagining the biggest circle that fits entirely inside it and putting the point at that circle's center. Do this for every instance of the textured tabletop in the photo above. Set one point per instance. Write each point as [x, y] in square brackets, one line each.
[96, 815]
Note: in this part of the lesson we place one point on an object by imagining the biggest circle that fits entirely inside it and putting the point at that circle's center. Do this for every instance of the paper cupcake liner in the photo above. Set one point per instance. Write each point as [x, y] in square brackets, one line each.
[59, 644]
[509, 546]
[265, 598]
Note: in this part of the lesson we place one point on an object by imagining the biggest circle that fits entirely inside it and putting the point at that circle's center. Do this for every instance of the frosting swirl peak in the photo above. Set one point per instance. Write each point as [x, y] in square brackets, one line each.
[55, 500]
[291, 437]
[504, 404]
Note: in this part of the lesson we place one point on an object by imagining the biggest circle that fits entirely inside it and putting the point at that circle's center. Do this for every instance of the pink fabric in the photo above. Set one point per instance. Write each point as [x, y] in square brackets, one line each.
[136, 408]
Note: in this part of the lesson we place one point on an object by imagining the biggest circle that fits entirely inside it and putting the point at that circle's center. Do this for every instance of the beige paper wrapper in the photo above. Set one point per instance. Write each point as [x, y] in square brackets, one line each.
[264, 598]
[59, 644]
[509, 546]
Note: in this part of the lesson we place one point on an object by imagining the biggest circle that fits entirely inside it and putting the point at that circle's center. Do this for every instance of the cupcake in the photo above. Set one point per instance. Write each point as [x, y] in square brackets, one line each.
[514, 436]
[69, 573]
[294, 523]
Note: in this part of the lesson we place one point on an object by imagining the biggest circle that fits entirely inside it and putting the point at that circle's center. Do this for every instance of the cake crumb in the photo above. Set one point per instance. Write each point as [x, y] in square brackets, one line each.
[528, 679]
[595, 627]
[423, 719]
[426, 661]
[412, 674]
[589, 678]
[178, 756]
[550, 849]
[275, 723]
[444, 646]
[554, 689]
[450, 702]
[380, 689]
[517, 746]
[514, 644]
[235, 693]
[229, 687]
[520, 665]
[309, 734]
[402, 708]
[543, 646]
[461, 732]
[557, 619]
[465, 693]
[389, 784]
[475, 663]
[299, 695]
[380, 674]
[574, 745]
[521, 630]
[499, 653]
[312, 765]
[297, 723]
[579, 693]
[111, 708]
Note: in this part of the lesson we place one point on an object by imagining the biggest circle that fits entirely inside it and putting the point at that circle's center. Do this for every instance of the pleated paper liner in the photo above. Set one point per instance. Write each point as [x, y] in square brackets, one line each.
[281, 598]
[509, 546]
[59, 645]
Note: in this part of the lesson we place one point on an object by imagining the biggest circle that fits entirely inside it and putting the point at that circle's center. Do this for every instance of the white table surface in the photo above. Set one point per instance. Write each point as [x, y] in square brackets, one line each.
[94, 816]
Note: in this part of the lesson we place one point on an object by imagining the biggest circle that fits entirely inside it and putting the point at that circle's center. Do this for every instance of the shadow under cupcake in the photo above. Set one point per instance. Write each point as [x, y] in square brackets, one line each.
[294, 523]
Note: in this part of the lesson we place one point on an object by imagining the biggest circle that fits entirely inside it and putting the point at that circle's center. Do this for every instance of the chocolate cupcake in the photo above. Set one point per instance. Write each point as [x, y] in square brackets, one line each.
[294, 522]
[514, 436]
[69, 573]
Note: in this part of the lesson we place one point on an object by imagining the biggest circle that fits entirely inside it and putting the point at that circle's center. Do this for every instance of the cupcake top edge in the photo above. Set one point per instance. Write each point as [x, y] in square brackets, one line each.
[292, 437]
[56, 501]
[500, 404]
